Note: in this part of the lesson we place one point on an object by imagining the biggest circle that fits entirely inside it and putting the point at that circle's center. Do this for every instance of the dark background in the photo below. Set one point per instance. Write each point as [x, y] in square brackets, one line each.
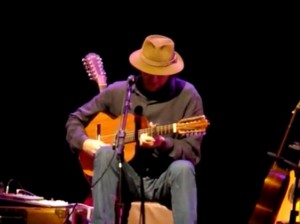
[244, 63]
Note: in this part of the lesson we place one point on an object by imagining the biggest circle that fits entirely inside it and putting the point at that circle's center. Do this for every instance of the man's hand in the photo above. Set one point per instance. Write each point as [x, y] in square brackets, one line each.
[90, 146]
[148, 141]
[151, 142]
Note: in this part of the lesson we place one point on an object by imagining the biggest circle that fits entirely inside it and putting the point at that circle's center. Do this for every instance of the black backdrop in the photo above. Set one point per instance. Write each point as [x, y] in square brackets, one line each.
[244, 67]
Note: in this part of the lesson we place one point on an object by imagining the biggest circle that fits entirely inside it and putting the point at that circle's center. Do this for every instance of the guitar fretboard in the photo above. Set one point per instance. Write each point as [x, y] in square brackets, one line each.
[152, 131]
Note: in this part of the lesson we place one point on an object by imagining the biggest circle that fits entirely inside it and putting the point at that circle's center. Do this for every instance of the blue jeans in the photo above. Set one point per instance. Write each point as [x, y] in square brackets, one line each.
[177, 185]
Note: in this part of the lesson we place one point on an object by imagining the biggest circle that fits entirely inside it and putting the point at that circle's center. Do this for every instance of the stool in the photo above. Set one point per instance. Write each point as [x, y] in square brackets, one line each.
[154, 213]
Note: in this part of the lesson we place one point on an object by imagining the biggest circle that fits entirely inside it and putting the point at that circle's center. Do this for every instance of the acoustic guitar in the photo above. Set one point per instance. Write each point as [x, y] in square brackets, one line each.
[104, 126]
[274, 187]
[286, 206]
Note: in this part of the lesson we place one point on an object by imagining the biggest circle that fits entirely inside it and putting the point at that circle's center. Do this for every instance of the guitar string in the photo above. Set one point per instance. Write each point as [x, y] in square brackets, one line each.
[154, 131]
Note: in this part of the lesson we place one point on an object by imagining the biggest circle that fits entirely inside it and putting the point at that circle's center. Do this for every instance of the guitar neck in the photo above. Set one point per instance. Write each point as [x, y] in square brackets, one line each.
[159, 130]
[287, 131]
[187, 126]
[152, 131]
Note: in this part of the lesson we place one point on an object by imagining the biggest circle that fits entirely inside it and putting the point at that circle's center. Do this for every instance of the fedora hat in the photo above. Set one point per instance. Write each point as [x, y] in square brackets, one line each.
[157, 56]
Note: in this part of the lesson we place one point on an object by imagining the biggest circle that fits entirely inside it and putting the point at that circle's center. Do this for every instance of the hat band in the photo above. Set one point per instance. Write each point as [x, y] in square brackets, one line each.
[159, 63]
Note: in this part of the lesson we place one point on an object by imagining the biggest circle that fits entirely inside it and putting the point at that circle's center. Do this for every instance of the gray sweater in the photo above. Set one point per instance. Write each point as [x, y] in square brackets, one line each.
[176, 100]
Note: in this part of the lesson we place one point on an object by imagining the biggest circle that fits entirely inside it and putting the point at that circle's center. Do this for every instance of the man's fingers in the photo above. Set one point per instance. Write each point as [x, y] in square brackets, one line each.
[145, 138]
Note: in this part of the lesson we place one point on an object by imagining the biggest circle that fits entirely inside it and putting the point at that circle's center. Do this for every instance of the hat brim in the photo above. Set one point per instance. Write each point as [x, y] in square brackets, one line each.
[174, 68]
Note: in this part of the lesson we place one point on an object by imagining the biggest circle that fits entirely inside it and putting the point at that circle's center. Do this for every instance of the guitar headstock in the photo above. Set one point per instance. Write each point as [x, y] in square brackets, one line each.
[192, 125]
[93, 65]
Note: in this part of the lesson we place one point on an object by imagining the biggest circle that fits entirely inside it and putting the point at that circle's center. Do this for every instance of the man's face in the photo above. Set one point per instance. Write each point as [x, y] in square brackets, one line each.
[153, 83]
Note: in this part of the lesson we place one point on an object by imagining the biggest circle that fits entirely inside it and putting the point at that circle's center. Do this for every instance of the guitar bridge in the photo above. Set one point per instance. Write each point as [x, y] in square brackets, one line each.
[99, 132]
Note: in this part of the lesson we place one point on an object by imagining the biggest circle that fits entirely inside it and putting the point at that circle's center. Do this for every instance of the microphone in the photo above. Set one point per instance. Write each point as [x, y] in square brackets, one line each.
[291, 164]
[131, 79]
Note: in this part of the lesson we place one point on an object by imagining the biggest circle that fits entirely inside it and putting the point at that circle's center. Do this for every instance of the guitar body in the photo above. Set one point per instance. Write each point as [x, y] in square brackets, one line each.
[269, 208]
[106, 127]
[271, 196]
[287, 202]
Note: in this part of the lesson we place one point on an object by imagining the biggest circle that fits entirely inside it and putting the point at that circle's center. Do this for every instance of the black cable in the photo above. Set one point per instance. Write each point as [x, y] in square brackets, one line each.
[67, 221]
[9, 182]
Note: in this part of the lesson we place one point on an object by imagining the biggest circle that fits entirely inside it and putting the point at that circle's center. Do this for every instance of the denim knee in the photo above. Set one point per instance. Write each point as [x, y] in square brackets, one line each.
[105, 153]
[182, 167]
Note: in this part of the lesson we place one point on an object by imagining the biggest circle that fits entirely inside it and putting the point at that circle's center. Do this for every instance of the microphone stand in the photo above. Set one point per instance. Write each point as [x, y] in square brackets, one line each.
[296, 168]
[119, 147]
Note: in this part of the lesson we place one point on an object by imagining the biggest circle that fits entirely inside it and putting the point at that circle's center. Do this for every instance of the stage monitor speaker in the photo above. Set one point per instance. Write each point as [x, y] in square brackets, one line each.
[33, 215]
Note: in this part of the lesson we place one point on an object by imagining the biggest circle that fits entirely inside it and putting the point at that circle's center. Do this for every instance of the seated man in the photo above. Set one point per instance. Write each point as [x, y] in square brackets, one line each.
[160, 167]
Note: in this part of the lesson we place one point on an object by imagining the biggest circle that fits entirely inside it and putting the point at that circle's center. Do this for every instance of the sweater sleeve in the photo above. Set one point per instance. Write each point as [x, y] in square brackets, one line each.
[187, 147]
[80, 118]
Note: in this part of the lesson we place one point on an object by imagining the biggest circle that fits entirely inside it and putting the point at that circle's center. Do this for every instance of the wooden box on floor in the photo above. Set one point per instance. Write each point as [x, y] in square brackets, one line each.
[154, 213]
